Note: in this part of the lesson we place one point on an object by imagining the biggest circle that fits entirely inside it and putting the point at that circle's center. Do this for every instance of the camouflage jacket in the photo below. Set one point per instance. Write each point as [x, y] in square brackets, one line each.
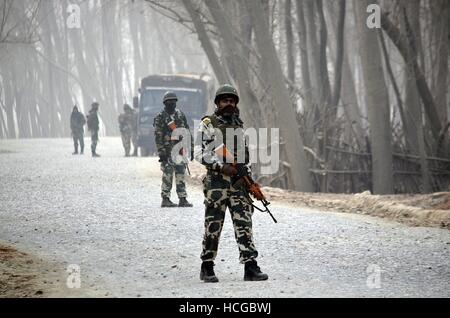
[126, 122]
[134, 121]
[92, 121]
[163, 133]
[77, 122]
[212, 133]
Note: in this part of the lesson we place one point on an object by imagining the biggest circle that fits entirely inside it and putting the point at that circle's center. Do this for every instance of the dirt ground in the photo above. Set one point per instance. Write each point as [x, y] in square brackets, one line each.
[432, 210]
[25, 276]
[21, 275]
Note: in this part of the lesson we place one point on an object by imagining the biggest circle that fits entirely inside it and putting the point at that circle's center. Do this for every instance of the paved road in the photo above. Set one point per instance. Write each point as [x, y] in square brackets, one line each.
[104, 216]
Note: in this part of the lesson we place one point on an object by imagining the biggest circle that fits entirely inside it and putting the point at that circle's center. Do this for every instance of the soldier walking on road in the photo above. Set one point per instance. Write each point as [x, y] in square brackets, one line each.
[218, 186]
[126, 128]
[77, 122]
[164, 124]
[93, 126]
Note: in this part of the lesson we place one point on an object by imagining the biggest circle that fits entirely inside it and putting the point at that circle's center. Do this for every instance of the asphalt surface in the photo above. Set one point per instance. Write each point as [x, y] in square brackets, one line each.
[103, 215]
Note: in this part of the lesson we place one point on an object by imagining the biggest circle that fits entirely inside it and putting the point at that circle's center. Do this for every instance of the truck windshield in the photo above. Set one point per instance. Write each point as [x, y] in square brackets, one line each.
[189, 101]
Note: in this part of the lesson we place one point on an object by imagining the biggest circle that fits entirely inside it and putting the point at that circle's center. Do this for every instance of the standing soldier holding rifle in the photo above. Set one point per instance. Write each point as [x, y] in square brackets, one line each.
[165, 122]
[218, 185]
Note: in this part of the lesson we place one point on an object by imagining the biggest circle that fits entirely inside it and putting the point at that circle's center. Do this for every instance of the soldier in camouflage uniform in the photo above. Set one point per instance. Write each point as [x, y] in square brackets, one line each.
[164, 143]
[126, 128]
[77, 122]
[218, 186]
[134, 131]
[93, 126]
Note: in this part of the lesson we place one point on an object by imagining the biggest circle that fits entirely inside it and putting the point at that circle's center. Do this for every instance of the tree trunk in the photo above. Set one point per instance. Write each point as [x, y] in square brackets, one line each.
[250, 105]
[205, 41]
[403, 45]
[339, 55]
[289, 42]
[303, 48]
[285, 118]
[377, 101]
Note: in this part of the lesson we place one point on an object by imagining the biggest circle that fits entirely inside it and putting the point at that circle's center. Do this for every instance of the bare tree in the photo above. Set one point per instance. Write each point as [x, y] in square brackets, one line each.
[377, 101]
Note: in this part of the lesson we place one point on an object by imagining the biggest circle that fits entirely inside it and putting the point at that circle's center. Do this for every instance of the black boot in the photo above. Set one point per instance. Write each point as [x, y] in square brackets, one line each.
[166, 203]
[82, 150]
[76, 150]
[207, 272]
[253, 272]
[94, 154]
[184, 203]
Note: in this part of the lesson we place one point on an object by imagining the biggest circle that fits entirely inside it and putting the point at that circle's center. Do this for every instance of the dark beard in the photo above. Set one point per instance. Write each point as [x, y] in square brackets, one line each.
[228, 111]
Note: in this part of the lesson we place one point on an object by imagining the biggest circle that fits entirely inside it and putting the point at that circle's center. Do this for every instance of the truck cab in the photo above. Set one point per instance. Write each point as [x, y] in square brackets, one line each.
[193, 92]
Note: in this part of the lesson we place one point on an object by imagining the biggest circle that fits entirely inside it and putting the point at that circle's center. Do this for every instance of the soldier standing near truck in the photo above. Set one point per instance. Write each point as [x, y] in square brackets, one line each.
[126, 128]
[163, 124]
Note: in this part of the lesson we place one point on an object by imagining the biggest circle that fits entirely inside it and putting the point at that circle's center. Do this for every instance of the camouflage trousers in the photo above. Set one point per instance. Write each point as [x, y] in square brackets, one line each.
[78, 138]
[169, 169]
[126, 141]
[94, 140]
[220, 194]
[134, 140]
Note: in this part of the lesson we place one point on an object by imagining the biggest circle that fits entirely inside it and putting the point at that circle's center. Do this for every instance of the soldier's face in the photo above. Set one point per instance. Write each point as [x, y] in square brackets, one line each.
[227, 106]
[170, 105]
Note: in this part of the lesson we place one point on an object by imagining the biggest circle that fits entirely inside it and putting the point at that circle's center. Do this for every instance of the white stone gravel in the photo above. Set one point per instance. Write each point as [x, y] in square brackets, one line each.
[104, 215]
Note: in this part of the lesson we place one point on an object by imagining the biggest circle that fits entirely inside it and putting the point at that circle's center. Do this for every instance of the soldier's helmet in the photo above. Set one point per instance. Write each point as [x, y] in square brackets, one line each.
[226, 89]
[94, 105]
[127, 107]
[169, 95]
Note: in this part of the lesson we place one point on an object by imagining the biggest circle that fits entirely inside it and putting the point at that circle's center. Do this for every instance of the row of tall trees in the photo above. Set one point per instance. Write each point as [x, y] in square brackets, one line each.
[370, 103]
[358, 88]
[55, 54]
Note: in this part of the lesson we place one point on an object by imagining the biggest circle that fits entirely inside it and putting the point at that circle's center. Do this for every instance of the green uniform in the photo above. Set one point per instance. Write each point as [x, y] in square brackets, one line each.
[77, 122]
[219, 192]
[126, 129]
[134, 130]
[164, 144]
[93, 127]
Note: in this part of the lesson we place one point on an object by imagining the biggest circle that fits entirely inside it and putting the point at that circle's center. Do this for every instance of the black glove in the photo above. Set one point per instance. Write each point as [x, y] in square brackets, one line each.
[242, 169]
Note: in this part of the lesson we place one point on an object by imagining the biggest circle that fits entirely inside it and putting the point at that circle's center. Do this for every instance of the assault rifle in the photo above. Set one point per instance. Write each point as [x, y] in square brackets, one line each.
[243, 180]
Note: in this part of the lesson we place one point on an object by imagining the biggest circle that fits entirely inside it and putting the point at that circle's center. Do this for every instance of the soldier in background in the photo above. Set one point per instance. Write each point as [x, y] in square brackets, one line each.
[126, 128]
[170, 117]
[77, 122]
[218, 187]
[134, 131]
[93, 126]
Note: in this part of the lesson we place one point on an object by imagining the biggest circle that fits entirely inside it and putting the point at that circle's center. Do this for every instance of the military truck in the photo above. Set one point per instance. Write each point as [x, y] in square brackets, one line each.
[194, 94]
